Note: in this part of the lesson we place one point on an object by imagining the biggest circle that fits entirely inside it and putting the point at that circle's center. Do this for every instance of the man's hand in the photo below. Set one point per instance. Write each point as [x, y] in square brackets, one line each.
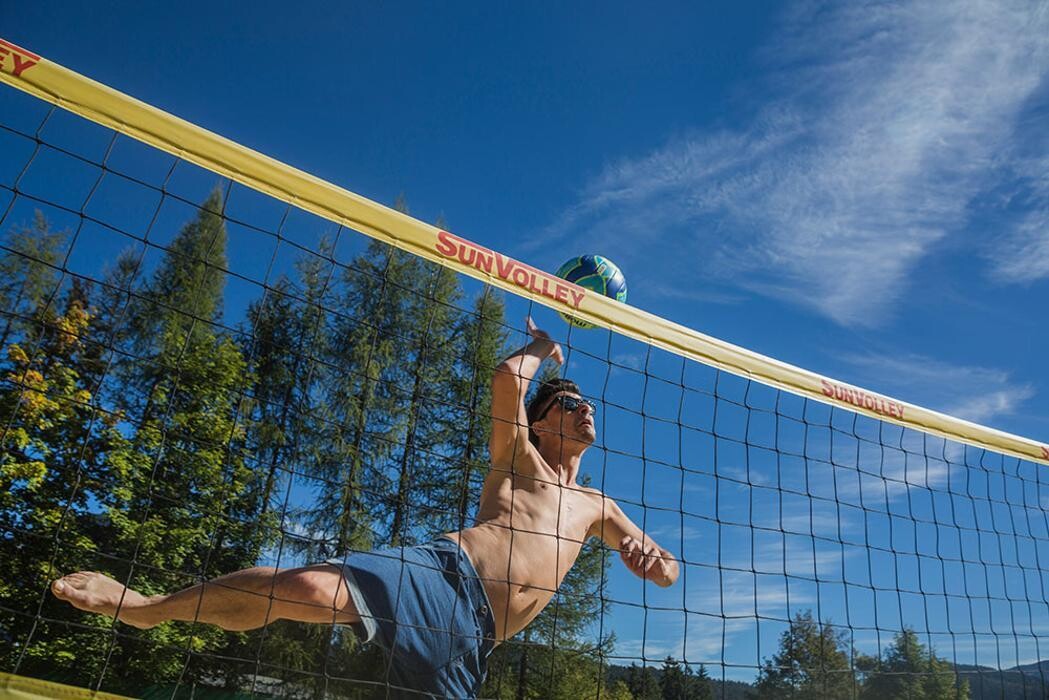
[646, 560]
[542, 344]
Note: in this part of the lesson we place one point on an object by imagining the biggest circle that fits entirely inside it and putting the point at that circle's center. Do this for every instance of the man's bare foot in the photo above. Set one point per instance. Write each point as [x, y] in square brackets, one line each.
[100, 594]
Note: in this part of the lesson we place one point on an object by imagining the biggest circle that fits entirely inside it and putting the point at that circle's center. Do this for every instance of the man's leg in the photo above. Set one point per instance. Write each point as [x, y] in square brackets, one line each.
[242, 600]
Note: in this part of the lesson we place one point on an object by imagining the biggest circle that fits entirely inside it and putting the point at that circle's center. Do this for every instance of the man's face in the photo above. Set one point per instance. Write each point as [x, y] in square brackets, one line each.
[571, 416]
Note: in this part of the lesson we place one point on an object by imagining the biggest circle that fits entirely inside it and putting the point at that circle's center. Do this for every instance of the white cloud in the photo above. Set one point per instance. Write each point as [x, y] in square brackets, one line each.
[629, 360]
[889, 117]
[1020, 254]
[977, 394]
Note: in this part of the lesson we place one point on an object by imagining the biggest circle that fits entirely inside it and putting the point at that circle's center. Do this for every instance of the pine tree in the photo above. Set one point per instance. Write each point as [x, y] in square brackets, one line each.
[53, 453]
[292, 430]
[425, 373]
[483, 344]
[812, 662]
[910, 670]
[358, 430]
[178, 507]
[673, 684]
[700, 685]
[28, 276]
[288, 348]
[643, 683]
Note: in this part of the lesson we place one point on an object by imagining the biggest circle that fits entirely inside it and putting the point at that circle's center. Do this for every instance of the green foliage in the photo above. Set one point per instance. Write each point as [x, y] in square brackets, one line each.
[643, 683]
[524, 669]
[679, 682]
[28, 278]
[147, 443]
[482, 343]
[674, 681]
[812, 662]
[53, 453]
[909, 669]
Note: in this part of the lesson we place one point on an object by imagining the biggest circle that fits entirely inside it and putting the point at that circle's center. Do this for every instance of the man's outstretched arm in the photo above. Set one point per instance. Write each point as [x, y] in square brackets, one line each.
[509, 386]
[639, 552]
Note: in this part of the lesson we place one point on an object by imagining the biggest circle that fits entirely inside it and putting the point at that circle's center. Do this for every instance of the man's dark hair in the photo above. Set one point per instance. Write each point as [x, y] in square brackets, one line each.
[539, 403]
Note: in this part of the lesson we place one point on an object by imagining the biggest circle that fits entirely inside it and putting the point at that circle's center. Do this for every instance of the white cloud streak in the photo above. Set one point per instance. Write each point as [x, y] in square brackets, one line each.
[1021, 253]
[890, 120]
[978, 394]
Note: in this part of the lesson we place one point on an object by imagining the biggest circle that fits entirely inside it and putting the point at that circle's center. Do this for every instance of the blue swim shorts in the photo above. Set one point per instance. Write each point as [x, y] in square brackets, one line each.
[428, 610]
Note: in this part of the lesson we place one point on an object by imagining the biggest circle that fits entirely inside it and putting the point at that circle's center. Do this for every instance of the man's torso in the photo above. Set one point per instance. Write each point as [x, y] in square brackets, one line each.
[530, 531]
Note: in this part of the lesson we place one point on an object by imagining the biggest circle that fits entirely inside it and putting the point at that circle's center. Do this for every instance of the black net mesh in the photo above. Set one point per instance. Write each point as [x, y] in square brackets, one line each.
[196, 379]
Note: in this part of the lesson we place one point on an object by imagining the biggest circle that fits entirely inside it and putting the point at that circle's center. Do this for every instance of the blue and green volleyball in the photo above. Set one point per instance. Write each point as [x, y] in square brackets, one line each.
[596, 273]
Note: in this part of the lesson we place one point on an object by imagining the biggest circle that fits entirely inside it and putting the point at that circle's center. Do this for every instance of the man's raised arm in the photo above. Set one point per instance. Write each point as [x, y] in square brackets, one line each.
[509, 386]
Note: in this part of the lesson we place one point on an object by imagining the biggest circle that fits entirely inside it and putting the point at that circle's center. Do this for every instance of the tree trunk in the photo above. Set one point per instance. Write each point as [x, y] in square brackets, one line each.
[400, 515]
[522, 670]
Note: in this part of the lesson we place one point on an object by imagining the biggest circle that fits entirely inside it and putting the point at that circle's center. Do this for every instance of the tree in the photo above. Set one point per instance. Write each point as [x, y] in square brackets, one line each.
[677, 681]
[910, 670]
[54, 449]
[700, 684]
[643, 683]
[481, 345]
[28, 278]
[364, 414]
[426, 369]
[673, 684]
[289, 348]
[380, 426]
[812, 662]
[181, 505]
[618, 690]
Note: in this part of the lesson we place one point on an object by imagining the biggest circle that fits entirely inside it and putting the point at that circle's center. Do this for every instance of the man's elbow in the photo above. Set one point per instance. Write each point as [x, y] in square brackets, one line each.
[507, 370]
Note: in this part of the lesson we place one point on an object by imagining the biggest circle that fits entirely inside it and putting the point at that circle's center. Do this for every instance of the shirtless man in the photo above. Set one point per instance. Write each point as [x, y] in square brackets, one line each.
[438, 609]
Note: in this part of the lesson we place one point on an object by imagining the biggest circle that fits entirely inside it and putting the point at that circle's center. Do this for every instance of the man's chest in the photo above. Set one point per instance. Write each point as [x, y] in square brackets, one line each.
[551, 507]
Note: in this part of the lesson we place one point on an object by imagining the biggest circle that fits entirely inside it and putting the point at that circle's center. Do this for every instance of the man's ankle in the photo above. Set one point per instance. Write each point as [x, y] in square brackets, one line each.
[142, 612]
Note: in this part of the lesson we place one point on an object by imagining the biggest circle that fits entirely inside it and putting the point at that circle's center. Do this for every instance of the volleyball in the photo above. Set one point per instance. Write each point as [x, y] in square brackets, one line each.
[596, 273]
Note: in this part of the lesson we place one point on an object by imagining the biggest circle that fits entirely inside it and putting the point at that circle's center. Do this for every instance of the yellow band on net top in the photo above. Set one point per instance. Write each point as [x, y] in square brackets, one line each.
[48, 81]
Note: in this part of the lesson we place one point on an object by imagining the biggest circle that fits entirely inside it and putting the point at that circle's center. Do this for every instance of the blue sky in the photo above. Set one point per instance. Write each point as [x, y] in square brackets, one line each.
[858, 189]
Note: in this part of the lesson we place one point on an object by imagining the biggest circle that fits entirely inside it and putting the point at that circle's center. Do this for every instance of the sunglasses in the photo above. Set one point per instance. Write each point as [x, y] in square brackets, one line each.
[569, 404]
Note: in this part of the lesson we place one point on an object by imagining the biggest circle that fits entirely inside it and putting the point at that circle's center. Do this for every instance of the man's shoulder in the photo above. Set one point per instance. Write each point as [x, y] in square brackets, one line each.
[596, 494]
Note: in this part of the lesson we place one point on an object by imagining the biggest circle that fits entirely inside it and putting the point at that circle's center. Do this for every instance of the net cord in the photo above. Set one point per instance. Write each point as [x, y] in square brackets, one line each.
[113, 109]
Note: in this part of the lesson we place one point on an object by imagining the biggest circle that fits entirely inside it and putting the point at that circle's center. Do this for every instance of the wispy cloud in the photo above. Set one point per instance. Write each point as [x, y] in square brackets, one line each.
[1020, 254]
[888, 118]
[978, 394]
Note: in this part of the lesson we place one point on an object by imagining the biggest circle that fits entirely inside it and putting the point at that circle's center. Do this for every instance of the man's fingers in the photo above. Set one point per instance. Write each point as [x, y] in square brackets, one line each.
[642, 558]
[631, 551]
[651, 557]
[625, 550]
[534, 330]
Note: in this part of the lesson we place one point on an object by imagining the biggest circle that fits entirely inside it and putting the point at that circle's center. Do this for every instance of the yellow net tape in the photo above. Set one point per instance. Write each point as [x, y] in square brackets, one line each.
[37, 76]
[20, 688]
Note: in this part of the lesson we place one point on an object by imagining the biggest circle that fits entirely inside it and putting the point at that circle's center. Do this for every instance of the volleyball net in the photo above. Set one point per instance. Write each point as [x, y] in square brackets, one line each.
[211, 361]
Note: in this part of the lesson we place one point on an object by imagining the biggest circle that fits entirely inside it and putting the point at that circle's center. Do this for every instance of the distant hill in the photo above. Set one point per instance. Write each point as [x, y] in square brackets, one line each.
[1026, 682]
[1029, 681]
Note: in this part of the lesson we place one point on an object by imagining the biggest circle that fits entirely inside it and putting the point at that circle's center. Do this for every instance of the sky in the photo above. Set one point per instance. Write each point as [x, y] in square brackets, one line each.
[859, 189]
